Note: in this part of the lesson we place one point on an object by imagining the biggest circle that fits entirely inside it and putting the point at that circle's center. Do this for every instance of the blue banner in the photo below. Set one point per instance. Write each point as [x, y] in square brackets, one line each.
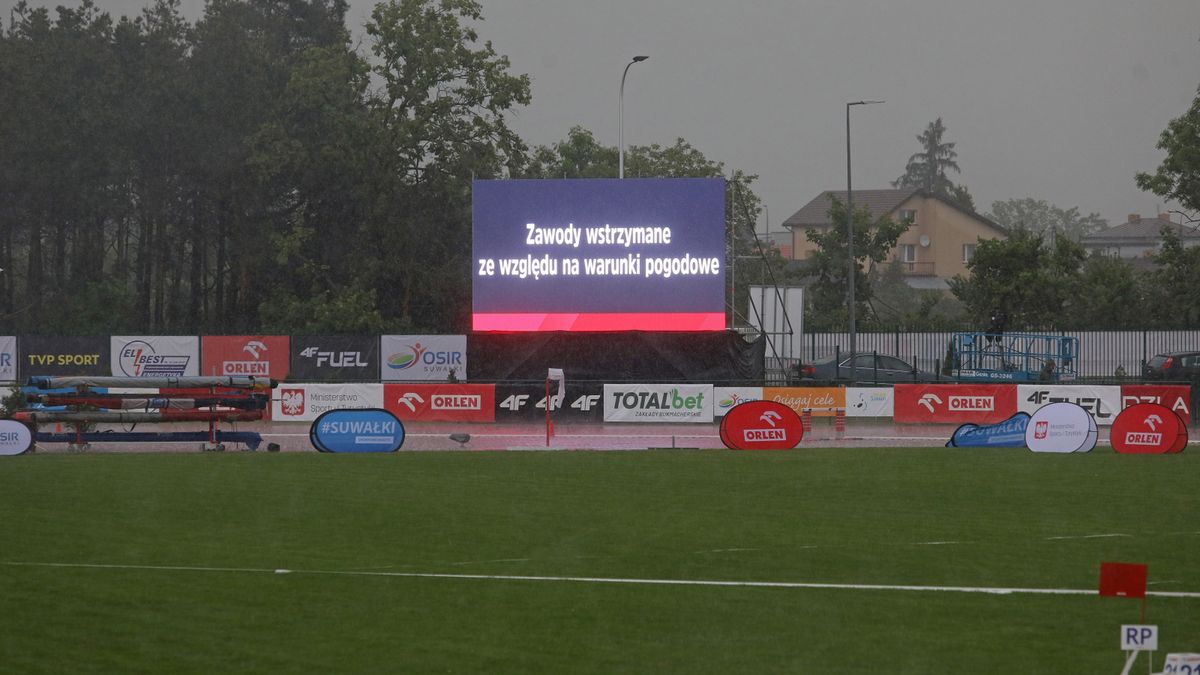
[1007, 434]
[357, 430]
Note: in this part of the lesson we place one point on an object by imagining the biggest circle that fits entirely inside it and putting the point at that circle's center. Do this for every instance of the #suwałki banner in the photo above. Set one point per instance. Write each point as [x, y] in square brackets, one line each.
[658, 403]
[422, 358]
[259, 355]
[64, 356]
[155, 355]
[1103, 403]
[819, 401]
[335, 358]
[441, 402]
[954, 403]
[8, 358]
[305, 402]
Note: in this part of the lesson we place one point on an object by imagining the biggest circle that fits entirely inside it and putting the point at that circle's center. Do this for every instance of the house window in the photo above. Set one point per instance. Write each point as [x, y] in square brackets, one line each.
[908, 253]
[968, 252]
[909, 215]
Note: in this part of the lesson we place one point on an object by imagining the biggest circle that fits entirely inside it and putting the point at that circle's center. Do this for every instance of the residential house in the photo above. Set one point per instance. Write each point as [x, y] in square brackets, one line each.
[937, 246]
[1139, 237]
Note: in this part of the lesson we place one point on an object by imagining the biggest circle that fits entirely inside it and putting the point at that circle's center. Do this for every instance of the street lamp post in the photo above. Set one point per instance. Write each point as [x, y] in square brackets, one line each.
[850, 246]
[620, 118]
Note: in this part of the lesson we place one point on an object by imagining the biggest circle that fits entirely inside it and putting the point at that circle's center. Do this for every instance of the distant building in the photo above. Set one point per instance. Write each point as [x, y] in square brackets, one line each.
[1139, 237]
[937, 246]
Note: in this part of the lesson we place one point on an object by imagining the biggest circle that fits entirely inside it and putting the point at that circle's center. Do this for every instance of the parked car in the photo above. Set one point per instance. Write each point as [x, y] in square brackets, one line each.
[870, 368]
[1173, 366]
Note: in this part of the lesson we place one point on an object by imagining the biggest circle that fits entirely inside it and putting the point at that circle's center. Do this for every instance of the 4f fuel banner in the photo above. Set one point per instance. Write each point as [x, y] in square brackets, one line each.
[441, 402]
[598, 255]
[423, 358]
[658, 403]
[335, 358]
[63, 356]
[155, 356]
[1103, 403]
[259, 355]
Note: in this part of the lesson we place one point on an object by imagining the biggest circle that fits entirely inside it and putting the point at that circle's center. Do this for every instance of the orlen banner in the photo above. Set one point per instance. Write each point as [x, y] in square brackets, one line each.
[8, 358]
[259, 355]
[441, 402]
[155, 355]
[954, 403]
[335, 358]
[305, 402]
[658, 402]
[822, 401]
[417, 358]
[1175, 397]
[64, 356]
[1148, 428]
[1102, 403]
[727, 398]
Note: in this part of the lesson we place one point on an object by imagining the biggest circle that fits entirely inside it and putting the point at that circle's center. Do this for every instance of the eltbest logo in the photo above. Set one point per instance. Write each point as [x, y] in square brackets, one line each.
[139, 359]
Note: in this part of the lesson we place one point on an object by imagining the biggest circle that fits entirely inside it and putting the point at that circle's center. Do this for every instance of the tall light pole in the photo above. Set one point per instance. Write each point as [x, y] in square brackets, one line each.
[850, 245]
[621, 116]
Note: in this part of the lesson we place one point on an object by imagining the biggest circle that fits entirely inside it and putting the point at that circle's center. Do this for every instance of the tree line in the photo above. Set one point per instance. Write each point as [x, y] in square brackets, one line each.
[255, 172]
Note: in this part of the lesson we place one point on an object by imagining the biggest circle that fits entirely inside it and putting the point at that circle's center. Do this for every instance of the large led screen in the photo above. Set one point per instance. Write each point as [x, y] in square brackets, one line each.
[599, 255]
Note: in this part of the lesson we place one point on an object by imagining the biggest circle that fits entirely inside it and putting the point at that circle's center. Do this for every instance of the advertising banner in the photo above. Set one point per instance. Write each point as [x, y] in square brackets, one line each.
[1061, 427]
[1148, 428]
[155, 355]
[423, 358]
[260, 355]
[527, 401]
[870, 402]
[761, 425]
[15, 438]
[335, 358]
[63, 356]
[1174, 397]
[822, 401]
[954, 403]
[726, 398]
[1007, 434]
[441, 402]
[598, 254]
[306, 402]
[1102, 403]
[658, 403]
[364, 430]
[8, 358]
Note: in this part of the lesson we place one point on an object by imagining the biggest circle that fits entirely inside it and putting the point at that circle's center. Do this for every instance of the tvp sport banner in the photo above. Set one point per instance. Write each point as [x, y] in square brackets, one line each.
[598, 255]
[64, 356]
[335, 358]
[155, 355]
[8, 358]
[259, 355]
[423, 358]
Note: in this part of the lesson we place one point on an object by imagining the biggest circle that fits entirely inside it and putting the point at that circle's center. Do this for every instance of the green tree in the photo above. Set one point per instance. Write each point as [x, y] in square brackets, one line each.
[1036, 284]
[1041, 217]
[926, 170]
[1171, 294]
[1178, 177]
[829, 265]
[1109, 296]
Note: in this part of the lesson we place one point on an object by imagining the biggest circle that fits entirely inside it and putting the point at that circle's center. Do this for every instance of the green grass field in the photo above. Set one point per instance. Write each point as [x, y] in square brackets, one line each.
[166, 563]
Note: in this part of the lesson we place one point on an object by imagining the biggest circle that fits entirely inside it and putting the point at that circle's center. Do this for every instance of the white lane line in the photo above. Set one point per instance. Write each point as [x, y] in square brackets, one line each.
[1089, 536]
[935, 543]
[607, 580]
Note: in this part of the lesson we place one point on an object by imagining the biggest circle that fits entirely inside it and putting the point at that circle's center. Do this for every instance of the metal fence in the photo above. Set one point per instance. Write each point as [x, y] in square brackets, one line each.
[1102, 354]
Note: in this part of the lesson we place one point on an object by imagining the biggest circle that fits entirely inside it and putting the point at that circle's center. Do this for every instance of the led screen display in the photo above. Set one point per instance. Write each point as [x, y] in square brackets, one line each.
[599, 255]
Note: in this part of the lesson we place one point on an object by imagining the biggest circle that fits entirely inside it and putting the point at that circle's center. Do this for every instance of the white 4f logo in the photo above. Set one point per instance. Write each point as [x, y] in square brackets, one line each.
[928, 400]
[411, 399]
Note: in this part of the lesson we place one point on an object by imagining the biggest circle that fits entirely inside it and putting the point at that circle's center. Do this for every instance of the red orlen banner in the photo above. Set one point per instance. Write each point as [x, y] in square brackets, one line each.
[761, 425]
[1148, 429]
[441, 402]
[955, 403]
[1176, 397]
[259, 355]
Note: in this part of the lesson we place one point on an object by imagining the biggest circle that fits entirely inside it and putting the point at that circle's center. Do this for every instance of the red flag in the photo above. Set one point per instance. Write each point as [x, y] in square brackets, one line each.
[1126, 580]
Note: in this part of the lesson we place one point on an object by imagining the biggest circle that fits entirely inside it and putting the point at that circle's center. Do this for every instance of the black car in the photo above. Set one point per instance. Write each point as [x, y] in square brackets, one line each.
[870, 368]
[1173, 366]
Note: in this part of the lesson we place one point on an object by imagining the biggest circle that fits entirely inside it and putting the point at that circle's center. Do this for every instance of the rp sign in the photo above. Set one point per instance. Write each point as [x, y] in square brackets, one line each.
[761, 425]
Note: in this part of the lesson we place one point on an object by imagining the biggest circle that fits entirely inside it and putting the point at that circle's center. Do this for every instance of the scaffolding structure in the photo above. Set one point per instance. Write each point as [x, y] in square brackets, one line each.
[1014, 357]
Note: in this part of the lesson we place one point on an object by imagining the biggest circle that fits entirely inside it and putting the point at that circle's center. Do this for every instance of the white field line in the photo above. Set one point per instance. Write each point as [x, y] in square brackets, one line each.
[605, 580]
[1089, 536]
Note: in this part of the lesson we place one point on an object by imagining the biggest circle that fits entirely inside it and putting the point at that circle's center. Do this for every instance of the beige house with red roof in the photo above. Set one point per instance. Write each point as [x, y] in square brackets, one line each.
[936, 247]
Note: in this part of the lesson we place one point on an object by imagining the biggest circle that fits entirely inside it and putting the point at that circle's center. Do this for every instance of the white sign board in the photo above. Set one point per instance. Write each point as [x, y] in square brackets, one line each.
[1061, 427]
[155, 355]
[658, 403]
[870, 401]
[1182, 664]
[8, 358]
[725, 398]
[778, 313]
[14, 438]
[306, 402]
[1102, 403]
[422, 358]
[1139, 638]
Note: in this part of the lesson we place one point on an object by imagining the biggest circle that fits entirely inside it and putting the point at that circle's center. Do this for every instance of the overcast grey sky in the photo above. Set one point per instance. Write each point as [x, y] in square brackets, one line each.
[1061, 100]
